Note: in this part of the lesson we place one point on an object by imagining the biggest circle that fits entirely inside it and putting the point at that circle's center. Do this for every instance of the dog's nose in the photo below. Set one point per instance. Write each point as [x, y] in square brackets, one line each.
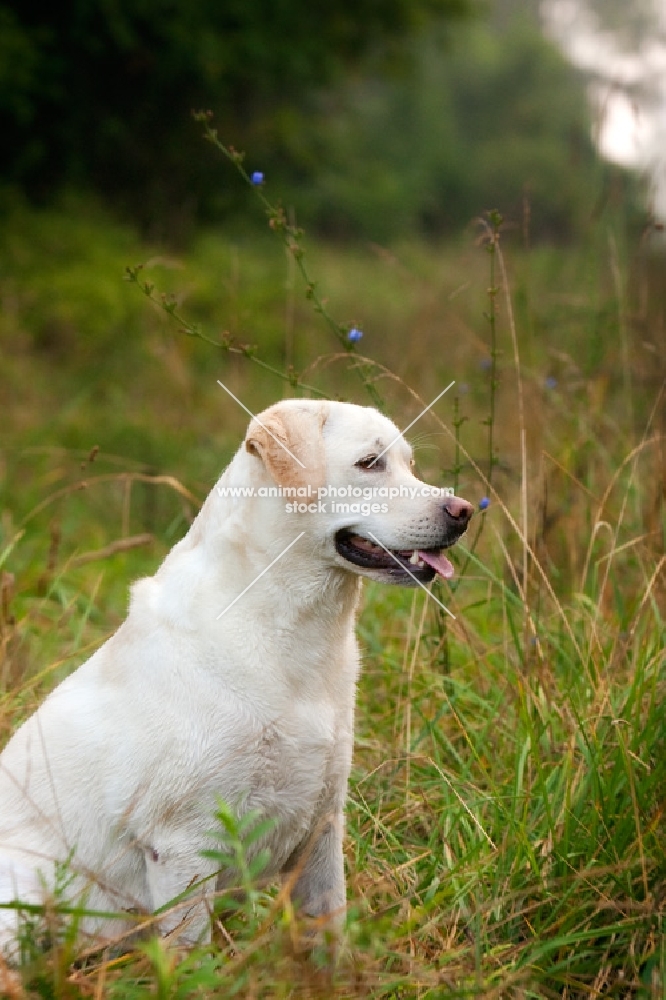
[459, 509]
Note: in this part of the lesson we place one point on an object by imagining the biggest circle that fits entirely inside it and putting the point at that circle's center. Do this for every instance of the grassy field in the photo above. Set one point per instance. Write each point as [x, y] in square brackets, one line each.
[506, 812]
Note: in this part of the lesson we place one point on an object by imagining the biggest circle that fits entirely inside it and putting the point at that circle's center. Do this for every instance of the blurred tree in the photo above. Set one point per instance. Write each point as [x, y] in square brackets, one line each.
[98, 92]
[502, 121]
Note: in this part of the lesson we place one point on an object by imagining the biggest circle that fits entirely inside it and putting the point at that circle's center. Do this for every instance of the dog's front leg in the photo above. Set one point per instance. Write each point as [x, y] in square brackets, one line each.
[319, 889]
[18, 881]
[171, 871]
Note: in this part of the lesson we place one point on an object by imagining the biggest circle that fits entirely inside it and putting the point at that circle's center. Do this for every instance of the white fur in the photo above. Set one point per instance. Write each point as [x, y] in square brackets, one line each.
[121, 767]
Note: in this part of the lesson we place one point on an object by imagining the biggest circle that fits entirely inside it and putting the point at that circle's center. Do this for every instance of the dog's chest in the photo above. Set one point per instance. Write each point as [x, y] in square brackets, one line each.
[299, 778]
[296, 755]
[283, 764]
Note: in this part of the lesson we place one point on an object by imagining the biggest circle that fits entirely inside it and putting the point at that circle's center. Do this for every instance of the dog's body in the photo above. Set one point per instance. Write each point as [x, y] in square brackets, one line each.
[228, 680]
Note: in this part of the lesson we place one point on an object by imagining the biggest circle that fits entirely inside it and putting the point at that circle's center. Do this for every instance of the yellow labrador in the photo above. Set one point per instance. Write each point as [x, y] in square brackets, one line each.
[232, 678]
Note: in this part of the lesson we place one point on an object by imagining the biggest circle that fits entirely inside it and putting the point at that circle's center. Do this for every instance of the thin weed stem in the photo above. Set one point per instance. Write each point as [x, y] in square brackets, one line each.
[167, 303]
[292, 238]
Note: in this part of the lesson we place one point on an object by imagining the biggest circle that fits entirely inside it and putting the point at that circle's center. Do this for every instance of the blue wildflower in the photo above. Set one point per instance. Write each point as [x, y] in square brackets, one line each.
[257, 178]
[484, 503]
[354, 335]
[550, 382]
[485, 364]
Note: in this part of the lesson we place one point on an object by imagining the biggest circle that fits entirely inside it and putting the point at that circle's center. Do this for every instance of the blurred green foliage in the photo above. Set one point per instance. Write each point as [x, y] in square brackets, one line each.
[372, 121]
[501, 121]
[100, 93]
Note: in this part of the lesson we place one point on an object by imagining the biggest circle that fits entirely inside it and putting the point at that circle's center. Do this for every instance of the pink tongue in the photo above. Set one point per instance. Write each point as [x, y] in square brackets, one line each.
[439, 563]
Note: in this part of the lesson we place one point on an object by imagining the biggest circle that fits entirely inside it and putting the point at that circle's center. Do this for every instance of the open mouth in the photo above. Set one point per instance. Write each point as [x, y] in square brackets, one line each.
[400, 565]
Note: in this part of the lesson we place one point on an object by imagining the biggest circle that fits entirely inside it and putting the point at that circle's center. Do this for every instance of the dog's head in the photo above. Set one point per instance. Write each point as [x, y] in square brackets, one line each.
[345, 471]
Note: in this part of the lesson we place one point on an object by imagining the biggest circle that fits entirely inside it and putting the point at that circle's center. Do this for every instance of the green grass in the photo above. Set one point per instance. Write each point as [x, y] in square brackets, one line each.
[506, 813]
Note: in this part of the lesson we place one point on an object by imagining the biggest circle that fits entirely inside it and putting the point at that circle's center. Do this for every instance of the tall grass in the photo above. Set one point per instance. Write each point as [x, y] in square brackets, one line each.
[506, 813]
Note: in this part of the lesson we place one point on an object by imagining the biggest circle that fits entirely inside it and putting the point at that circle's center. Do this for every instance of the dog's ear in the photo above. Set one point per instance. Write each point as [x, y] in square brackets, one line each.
[290, 443]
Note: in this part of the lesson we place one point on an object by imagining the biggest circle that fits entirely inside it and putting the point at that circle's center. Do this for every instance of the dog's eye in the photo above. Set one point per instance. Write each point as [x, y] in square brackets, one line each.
[375, 462]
